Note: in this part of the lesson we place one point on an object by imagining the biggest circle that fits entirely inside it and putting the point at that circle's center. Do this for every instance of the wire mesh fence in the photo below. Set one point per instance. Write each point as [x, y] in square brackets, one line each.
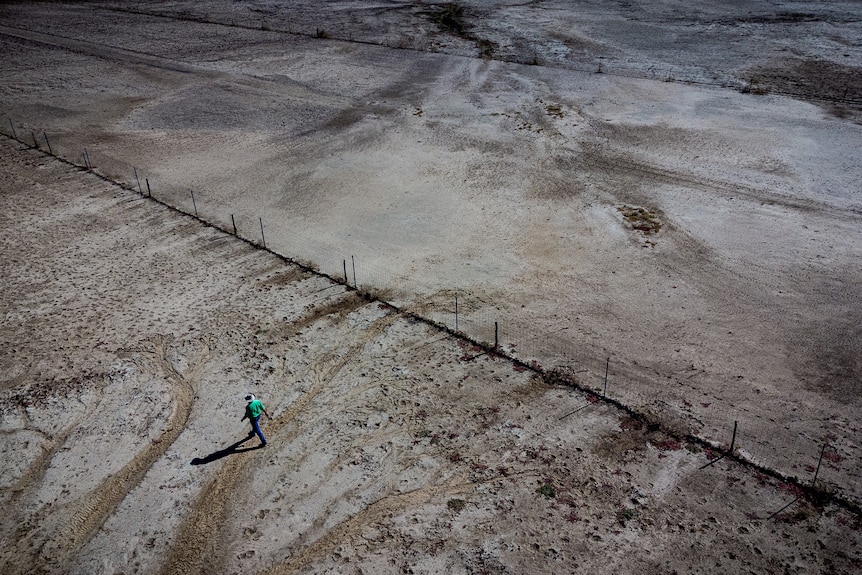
[831, 456]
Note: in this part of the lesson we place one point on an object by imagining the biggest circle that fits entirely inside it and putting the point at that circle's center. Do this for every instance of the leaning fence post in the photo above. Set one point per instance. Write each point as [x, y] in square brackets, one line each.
[733, 439]
[607, 368]
[50, 151]
[35, 141]
[87, 160]
[233, 222]
[149, 191]
[496, 340]
[819, 461]
[456, 313]
[138, 180]
[14, 135]
[262, 237]
[353, 263]
[345, 271]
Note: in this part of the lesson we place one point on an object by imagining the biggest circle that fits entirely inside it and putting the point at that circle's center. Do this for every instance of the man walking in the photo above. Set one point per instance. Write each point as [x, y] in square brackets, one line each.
[253, 409]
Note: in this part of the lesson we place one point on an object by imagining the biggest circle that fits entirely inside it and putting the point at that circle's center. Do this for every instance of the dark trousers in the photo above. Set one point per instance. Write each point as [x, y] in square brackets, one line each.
[255, 429]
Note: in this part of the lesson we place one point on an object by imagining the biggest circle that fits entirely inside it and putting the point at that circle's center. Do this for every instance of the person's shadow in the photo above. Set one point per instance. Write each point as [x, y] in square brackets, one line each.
[230, 450]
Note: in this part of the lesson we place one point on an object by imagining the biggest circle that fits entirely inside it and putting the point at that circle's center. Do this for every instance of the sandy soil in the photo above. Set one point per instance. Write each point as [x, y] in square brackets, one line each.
[691, 213]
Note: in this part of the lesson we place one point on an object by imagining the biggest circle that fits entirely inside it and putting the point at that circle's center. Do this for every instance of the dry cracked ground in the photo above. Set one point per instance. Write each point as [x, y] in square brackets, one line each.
[675, 188]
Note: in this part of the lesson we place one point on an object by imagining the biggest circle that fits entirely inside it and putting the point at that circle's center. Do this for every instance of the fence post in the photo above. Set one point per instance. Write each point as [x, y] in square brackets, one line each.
[607, 368]
[50, 151]
[262, 237]
[353, 263]
[819, 461]
[456, 313]
[345, 271]
[14, 135]
[496, 339]
[138, 180]
[733, 439]
[149, 191]
[194, 204]
[87, 160]
[35, 141]
[233, 221]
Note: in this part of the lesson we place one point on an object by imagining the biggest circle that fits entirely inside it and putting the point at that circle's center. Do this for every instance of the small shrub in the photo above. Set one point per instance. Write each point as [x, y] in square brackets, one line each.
[450, 19]
[641, 219]
[487, 48]
[456, 505]
[752, 86]
[555, 110]
[547, 490]
[624, 515]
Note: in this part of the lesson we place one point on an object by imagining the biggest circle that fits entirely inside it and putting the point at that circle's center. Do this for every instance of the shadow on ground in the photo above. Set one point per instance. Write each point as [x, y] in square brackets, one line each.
[230, 450]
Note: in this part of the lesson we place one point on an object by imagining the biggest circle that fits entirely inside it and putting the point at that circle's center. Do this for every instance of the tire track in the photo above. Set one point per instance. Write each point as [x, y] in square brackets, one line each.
[278, 86]
[599, 155]
[374, 513]
[198, 546]
[88, 48]
[36, 471]
[91, 513]
[19, 524]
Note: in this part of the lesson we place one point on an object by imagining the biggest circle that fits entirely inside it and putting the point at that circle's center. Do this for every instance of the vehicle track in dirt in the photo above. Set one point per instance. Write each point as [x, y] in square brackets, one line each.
[92, 49]
[280, 85]
[197, 547]
[36, 470]
[21, 521]
[370, 515]
[83, 519]
[785, 83]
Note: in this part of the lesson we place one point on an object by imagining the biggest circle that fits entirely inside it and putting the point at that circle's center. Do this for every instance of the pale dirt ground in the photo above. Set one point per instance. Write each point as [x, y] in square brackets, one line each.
[131, 332]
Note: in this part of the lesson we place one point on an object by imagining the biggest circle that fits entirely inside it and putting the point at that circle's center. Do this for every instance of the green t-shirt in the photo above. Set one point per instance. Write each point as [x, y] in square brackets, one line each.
[254, 409]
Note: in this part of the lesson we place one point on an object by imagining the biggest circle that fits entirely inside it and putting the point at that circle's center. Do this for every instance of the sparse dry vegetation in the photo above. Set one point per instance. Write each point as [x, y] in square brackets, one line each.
[641, 219]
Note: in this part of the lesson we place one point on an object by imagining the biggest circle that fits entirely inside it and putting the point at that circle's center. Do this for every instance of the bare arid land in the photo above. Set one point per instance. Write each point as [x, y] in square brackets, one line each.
[654, 202]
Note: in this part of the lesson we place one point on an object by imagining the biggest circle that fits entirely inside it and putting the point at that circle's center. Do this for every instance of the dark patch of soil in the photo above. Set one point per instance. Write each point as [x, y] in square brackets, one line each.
[836, 86]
